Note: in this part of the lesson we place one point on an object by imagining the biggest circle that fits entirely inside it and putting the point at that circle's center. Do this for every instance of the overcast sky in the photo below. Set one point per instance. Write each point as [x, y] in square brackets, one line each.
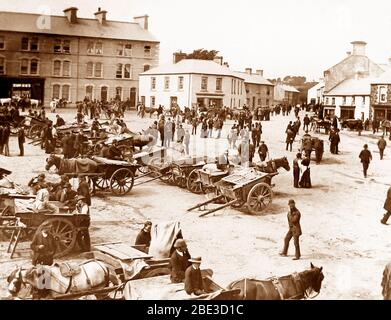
[282, 37]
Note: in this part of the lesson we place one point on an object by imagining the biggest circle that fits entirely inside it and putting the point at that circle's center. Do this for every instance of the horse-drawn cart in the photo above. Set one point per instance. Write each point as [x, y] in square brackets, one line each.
[35, 127]
[246, 188]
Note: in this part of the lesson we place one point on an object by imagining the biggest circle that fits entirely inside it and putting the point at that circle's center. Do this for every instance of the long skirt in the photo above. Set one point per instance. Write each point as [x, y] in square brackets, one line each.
[305, 181]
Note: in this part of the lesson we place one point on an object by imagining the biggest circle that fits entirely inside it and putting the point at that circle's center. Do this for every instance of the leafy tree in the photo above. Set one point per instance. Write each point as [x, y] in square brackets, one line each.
[202, 54]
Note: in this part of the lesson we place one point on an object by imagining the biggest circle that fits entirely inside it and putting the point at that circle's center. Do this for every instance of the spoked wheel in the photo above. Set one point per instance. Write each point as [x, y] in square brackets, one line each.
[64, 234]
[143, 169]
[102, 183]
[178, 176]
[193, 183]
[259, 197]
[157, 163]
[122, 181]
[34, 131]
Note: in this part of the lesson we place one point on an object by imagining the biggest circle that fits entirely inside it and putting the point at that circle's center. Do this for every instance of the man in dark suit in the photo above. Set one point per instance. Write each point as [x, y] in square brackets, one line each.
[294, 230]
[193, 278]
[84, 190]
[21, 141]
[43, 246]
[144, 236]
[366, 157]
[387, 207]
[179, 261]
[296, 170]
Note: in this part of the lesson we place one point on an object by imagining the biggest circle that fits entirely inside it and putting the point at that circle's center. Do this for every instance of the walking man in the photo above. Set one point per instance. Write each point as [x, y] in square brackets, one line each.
[387, 207]
[294, 230]
[296, 170]
[382, 144]
[366, 157]
[21, 141]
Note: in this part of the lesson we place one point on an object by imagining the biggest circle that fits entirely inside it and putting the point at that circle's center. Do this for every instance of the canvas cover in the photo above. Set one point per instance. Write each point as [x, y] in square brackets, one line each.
[163, 236]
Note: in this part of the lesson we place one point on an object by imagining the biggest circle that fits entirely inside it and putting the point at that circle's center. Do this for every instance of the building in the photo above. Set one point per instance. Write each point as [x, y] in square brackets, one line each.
[259, 91]
[190, 82]
[285, 94]
[315, 94]
[380, 99]
[347, 84]
[70, 57]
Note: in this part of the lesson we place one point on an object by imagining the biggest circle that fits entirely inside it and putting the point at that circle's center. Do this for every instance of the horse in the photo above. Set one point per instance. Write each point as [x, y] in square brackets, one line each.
[386, 282]
[273, 165]
[151, 110]
[64, 166]
[59, 279]
[296, 286]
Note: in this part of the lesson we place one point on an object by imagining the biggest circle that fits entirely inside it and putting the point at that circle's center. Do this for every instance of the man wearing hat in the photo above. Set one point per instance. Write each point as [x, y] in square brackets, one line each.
[114, 153]
[144, 236]
[294, 230]
[43, 246]
[42, 200]
[83, 237]
[263, 151]
[36, 182]
[366, 157]
[68, 196]
[179, 261]
[296, 170]
[84, 189]
[193, 278]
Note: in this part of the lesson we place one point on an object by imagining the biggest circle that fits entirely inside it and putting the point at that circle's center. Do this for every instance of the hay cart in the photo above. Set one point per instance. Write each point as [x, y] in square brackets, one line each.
[246, 188]
[22, 224]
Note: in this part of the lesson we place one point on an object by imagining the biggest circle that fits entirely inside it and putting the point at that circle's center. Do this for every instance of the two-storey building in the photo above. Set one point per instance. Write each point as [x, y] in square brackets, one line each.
[70, 57]
[381, 97]
[192, 82]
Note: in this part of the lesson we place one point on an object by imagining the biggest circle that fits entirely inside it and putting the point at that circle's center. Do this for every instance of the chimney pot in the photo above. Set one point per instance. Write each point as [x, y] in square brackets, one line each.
[260, 73]
[248, 70]
[142, 21]
[71, 14]
[101, 16]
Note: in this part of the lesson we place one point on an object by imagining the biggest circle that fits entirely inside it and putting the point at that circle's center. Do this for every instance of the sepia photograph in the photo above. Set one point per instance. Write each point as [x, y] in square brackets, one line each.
[195, 151]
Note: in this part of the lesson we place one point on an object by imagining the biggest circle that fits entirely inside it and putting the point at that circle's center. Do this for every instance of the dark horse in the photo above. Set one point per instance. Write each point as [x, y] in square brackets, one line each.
[295, 286]
[273, 165]
[64, 166]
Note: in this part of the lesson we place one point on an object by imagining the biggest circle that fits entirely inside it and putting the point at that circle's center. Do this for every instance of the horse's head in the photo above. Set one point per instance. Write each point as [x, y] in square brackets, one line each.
[50, 162]
[15, 281]
[316, 278]
[285, 163]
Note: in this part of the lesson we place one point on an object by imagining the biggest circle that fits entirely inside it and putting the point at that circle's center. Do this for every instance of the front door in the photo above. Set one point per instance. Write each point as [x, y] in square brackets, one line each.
[132, 97]
[173, 101]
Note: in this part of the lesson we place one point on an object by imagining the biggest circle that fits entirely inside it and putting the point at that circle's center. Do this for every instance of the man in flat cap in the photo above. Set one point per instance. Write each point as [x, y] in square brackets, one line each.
[144, 236]
[179, 261]
[193, 278]
[294, 230]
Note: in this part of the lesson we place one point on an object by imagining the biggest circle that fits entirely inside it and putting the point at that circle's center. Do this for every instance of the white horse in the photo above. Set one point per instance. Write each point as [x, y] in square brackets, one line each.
[50, 281]
[4, 101]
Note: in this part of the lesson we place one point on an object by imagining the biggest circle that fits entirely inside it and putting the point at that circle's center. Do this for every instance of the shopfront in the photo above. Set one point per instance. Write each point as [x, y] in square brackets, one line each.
[18, 87]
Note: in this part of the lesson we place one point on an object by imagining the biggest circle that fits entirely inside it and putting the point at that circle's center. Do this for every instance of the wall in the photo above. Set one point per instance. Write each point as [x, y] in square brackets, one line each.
[260, 92]
[360, 105]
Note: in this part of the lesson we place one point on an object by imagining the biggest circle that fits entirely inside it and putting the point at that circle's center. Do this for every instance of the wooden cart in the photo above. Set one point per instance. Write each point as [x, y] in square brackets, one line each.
[35, 127]
[246, 188]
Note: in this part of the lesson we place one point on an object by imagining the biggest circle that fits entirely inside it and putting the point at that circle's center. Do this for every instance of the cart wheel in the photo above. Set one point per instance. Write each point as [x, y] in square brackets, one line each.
[64, 234]
[143, 169]
[259, 197]
[102, 183]
[122, 181]
[34, 131]
[178, 176]
[157, 163]
[157, 272]
[193, 184]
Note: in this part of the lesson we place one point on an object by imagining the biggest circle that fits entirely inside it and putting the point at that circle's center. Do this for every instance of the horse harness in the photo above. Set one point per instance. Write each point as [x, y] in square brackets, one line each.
[296, 280]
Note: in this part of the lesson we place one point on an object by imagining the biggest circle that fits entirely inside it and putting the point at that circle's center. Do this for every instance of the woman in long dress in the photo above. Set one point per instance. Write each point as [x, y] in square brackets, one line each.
[305, 181]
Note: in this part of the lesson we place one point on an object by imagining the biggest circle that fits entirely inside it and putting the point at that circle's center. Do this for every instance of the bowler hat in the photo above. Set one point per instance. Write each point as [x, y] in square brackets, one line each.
[180, 243]
[291, 201]
[195, 260]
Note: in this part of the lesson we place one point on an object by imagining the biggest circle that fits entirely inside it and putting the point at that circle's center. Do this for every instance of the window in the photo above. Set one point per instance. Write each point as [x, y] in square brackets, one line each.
[152, 101]
[56, 91]
[268, 91]
[344, 101]
[127, 71]
[98, 70]
[146, 67]
[147, 51]
[218, 84]
[363, 100]
[327, 101]
[118, 72]
[383, 94]
[24, 66]
[25, 44]
[65, 92]
[66, 68]
[353, 101]
[90, 68]
[333, 101]
[2, 65]
[180, 83]
[234, 88]
[57, 68]
[57, 46]
[153, 83]
[267, 102]
[259, 102]
[118, 93]
[2, 43]
[66, 46]
[166, 83]
[98, 48]
[204, 83]
[34, 66]
[89, 91]
[120, 49]
[34, 44]
[128, 50]
[90, 47]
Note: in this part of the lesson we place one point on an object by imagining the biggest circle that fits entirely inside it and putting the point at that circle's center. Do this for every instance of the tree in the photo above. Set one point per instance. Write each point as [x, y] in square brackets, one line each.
[202, 54]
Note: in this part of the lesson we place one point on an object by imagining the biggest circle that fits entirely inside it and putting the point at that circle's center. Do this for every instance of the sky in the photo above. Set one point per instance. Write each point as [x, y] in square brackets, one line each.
[282, 37]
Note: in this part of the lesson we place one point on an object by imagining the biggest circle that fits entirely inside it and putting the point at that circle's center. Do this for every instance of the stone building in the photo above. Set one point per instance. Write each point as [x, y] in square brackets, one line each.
[70, 57]
[381, 97]
[192, 82]
[285, 94]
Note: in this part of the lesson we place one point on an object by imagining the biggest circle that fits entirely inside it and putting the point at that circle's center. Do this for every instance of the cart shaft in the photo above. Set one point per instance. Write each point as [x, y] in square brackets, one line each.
[206, 202]
[219, 208]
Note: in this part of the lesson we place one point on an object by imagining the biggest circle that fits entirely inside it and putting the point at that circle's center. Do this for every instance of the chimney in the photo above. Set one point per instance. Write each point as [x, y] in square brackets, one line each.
[260, 73]
[248, 70]
[71, 15]
[178, 56]
[142, 21]
[358, 48]
[225, 64]
[389, 60]
[101, 16]
[348, 53]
